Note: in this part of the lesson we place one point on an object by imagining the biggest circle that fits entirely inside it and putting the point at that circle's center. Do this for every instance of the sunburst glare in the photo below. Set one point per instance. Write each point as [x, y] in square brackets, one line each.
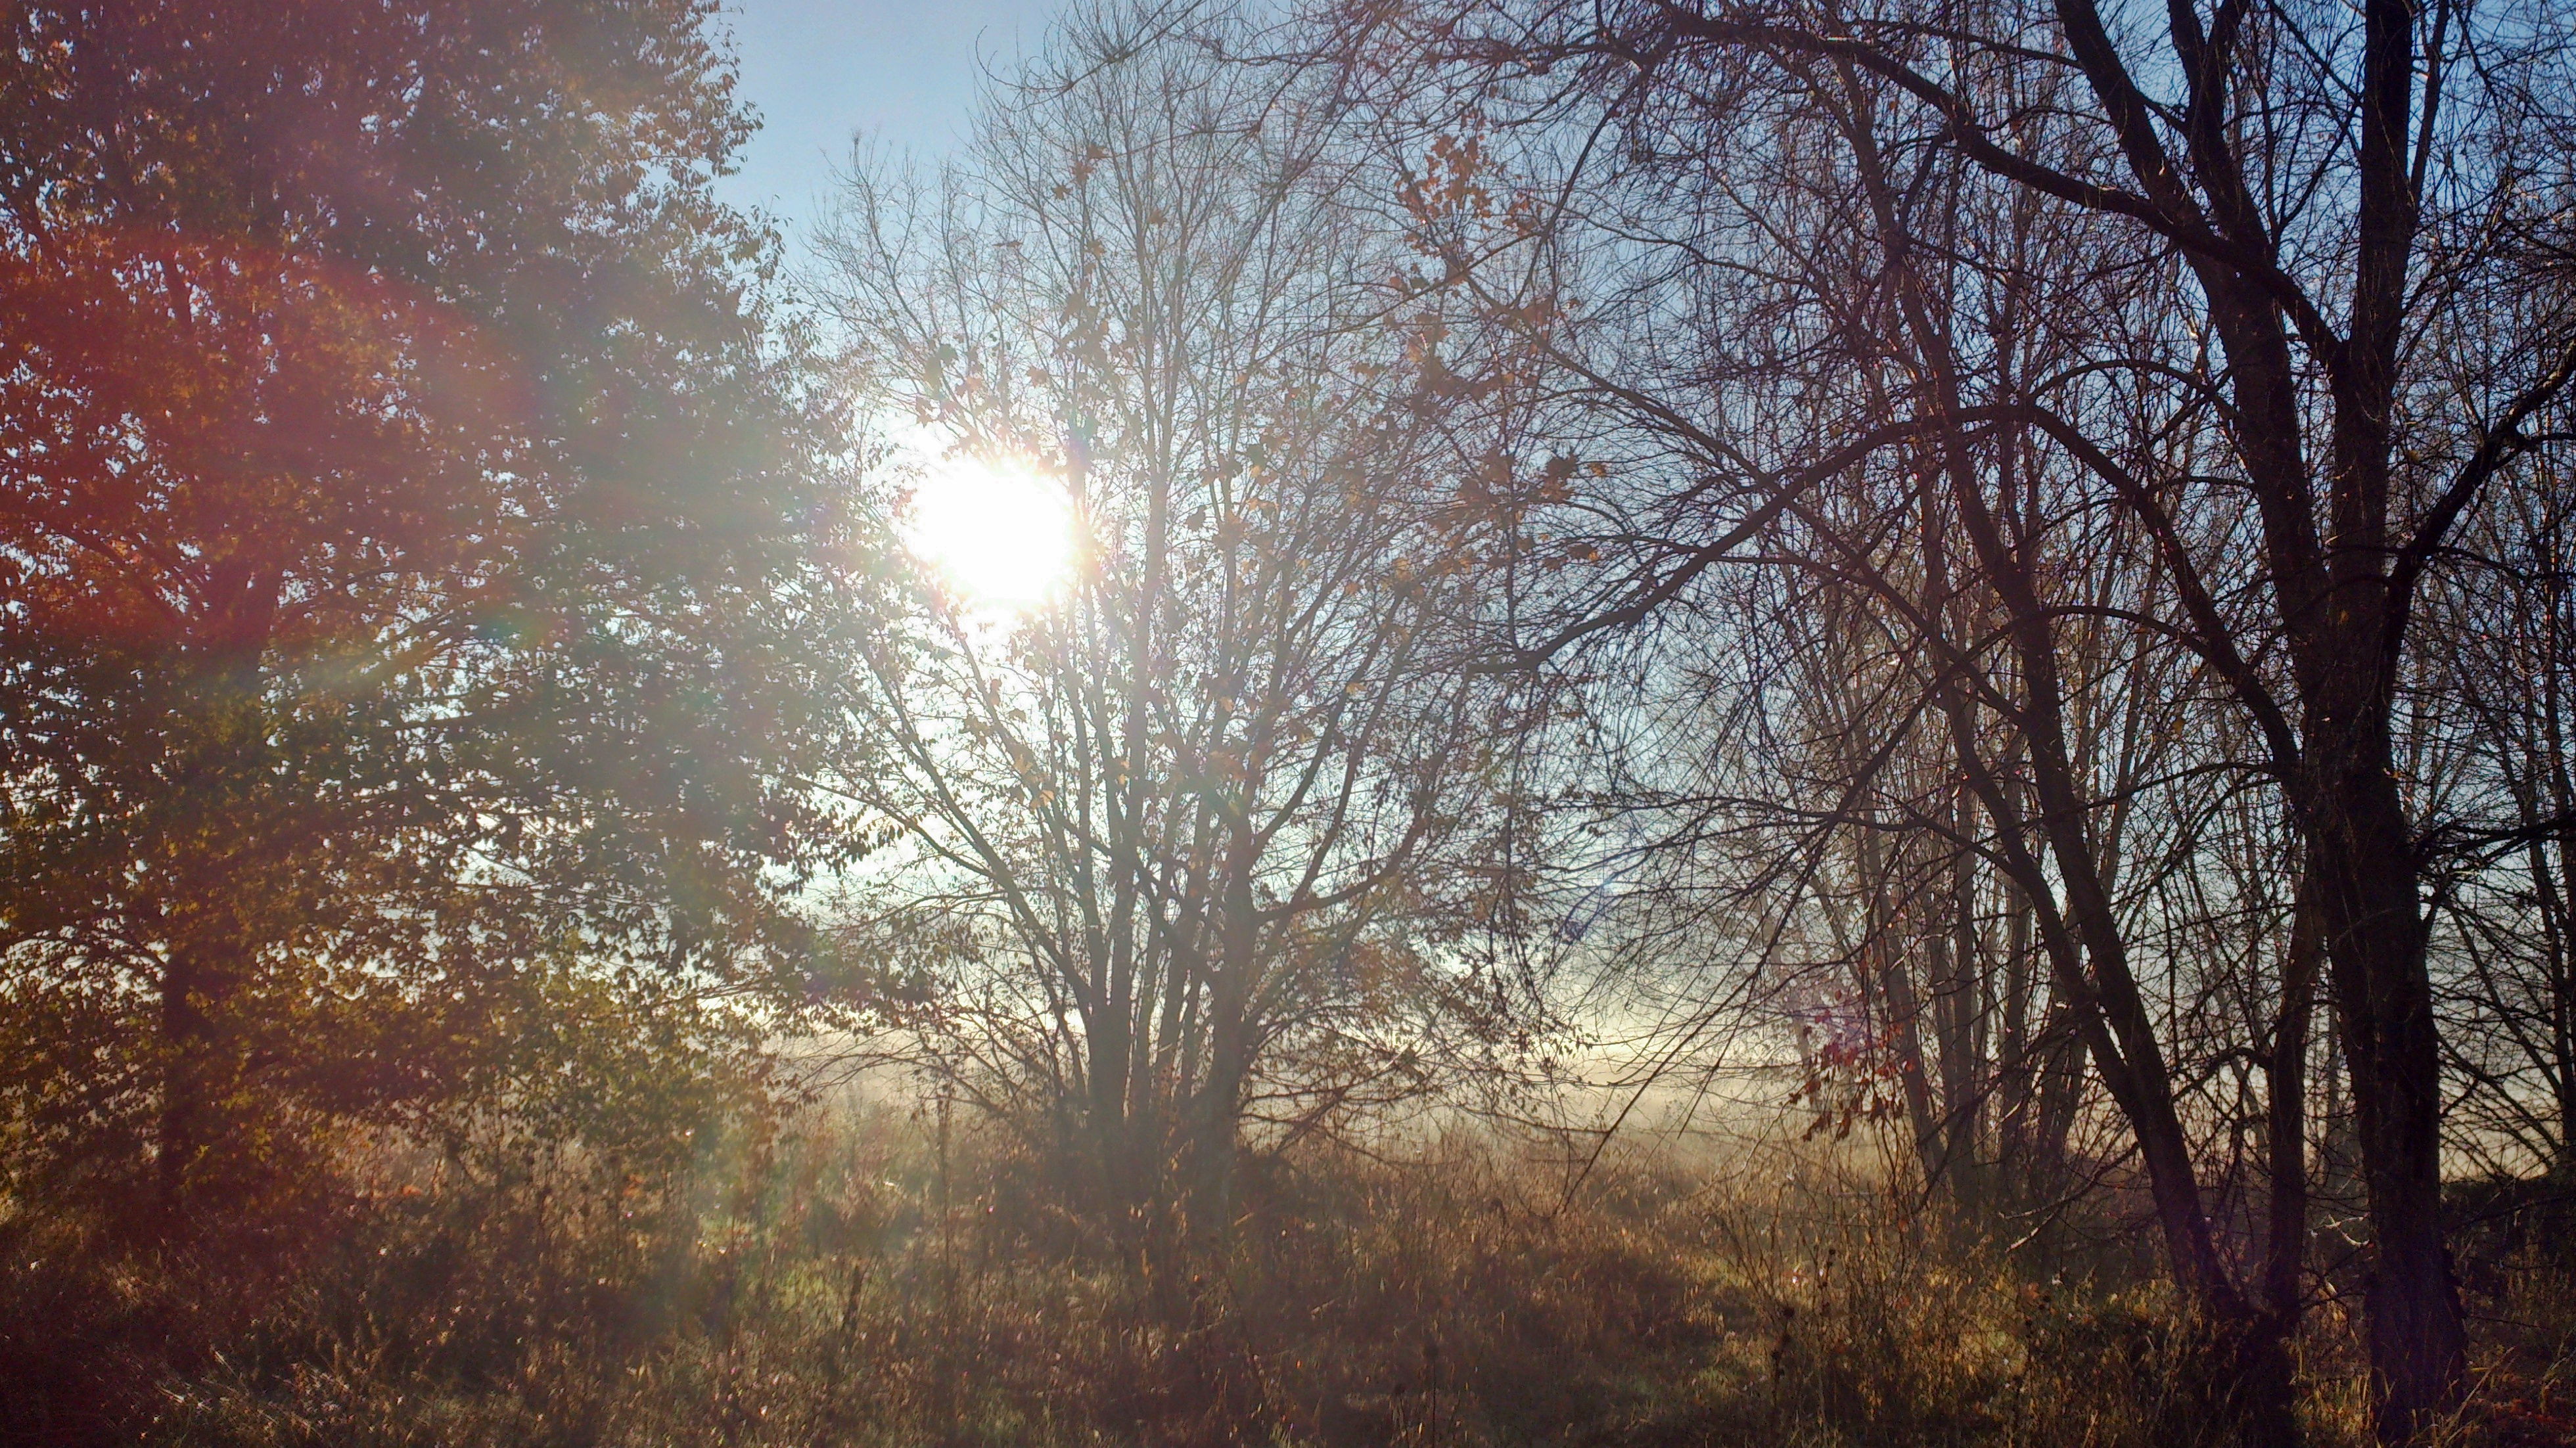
[1000, 533]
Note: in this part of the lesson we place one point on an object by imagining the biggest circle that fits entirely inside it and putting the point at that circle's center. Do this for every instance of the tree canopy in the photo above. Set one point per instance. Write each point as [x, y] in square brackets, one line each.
[403, 478]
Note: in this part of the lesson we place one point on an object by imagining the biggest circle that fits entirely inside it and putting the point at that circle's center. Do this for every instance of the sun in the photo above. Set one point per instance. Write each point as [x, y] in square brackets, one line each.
[1000, 533]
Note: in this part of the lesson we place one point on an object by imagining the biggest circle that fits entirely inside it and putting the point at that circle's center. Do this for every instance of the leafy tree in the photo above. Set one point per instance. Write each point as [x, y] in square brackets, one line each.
[400, 496]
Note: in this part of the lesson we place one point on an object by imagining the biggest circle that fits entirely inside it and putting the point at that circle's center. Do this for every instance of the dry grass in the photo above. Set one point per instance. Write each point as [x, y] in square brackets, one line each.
[826, 1282]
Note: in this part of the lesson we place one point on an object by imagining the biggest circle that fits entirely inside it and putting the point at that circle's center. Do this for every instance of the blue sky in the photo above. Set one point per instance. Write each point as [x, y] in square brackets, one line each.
[819, 71]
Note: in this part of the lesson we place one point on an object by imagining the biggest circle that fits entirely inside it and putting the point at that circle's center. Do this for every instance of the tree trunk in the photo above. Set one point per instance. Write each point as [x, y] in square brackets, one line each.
[1220, 1100]
[2376, 941]
[213, 918]
[181, 1134]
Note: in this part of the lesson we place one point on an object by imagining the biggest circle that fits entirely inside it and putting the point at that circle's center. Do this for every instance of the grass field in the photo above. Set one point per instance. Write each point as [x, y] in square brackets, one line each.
[841, 1276]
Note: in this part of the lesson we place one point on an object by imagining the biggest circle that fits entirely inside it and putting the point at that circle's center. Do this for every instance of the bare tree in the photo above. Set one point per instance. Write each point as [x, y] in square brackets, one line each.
[1175, 832]
[2280, 378]
[2496, 737]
